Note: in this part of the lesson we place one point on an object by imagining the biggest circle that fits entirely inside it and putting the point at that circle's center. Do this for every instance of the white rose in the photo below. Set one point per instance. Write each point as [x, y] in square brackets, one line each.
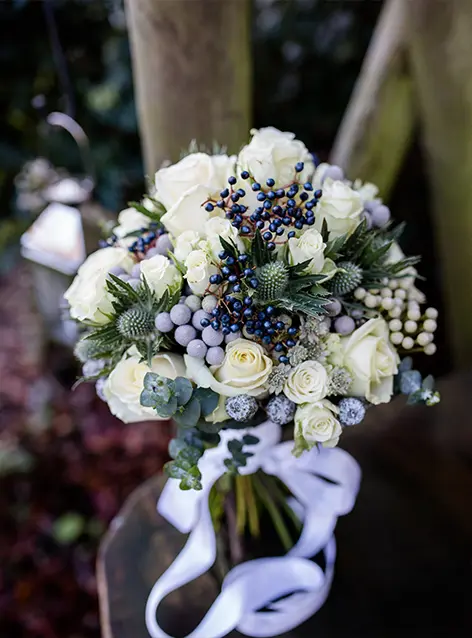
[309, 245]
[272, 153]
[188, 212]
[245, 370]
[130, 220]
[199, 269]
[307, 382]
[217, 227]
[87, 296]
[340, 205]
[197, 169]
[316, 423]
[366, 190]
[372, 361]
[185, 243]
[123, 387]
[161, 275]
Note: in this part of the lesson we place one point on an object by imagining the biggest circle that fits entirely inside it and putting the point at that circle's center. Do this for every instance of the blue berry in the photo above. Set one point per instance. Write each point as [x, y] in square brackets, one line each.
[241, 192]
[220, 203]
[204, 323]
[242, 258]
[253, 283]
[225, 330]
[261, 196]
[267, 204]
[216, 279]
[267, 324]
[267, 340]
[280, 192]
[209, 207]
[234, 328]
[270, 182]
[283, 359]
[256, 186]
[237, 305]
[318, 193]
[308, 186]
[234, 197]
[215, 325]
[270, 310]
[248, 312]
[236, 288]
[224, 193]
[279, 347]
[248, 301]
[232, 180]
[271, 195]
[279, 232]
[244, 175]
[290, 343]
[291, 234]
[271, 246]
[280, 325]
[230, 261]
[245, 230]
[267, 236]
[292, 330]
[299, 166]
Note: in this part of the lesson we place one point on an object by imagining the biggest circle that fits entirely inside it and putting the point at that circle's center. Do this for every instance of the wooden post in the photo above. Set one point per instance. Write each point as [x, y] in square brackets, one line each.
[192, 72]
[377, 128]
[441, 55]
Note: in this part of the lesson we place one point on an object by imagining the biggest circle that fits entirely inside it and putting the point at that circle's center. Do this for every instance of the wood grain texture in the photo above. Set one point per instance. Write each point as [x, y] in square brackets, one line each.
[441, 55]
[377, 128]
[403, 565]
[192, 74]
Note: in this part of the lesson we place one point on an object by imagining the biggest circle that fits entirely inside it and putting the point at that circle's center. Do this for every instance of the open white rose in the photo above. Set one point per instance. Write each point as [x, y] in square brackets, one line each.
[316, 423]
[123, 387]
[307, 382]
[273, 153]
[217, 227]
[130, 220]
[340, 205]
[197, 169]
[309, 245]
[372, 361]
[161, 275]
[185, 243]
[188, 212]
[87, 296]
[245, 370]
[199, 268]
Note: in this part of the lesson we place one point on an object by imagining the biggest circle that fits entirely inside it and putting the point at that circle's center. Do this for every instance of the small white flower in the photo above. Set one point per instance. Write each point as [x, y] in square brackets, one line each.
[199, 267]
[372, 361]
[122, 389]
[273, 153]
[197, 169]
[217, 227]
[161, 275]
[307, 382]
[88, 296]
[309, 245]
[316, 423]
[185, 243]
[340, 206]
[130, 220]
[245, 370]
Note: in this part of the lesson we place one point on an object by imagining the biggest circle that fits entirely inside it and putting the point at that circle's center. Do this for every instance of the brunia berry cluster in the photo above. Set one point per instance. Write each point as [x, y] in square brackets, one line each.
[252, 287]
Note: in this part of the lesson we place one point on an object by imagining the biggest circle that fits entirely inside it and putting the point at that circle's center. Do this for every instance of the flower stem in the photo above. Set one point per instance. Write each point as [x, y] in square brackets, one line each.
[279, 524]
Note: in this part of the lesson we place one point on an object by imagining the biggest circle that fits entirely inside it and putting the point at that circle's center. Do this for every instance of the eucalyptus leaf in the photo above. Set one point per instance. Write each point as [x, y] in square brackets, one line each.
[208, 400]
[183, 390]
[189, 415]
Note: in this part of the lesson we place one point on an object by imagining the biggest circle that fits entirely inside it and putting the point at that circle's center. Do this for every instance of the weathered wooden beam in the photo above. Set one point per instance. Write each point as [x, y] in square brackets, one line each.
[192, 72]
[377, 128]
[441, 54]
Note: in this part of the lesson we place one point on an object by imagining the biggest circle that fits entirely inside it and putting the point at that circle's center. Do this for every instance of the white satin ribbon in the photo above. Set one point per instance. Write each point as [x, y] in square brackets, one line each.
[324, 485]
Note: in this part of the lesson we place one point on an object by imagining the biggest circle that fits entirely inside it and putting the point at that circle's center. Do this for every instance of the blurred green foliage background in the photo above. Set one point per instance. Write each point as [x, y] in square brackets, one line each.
[307, 54]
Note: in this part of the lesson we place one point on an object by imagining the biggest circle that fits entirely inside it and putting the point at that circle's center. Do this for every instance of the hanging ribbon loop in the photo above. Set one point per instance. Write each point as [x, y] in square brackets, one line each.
[289, 588]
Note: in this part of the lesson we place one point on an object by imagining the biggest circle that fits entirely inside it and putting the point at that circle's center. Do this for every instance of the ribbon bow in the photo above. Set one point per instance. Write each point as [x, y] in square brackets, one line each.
[256, 584]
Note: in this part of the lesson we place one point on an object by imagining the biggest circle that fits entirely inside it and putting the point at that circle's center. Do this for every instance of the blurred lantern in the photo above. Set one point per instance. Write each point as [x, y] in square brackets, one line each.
[67, 229]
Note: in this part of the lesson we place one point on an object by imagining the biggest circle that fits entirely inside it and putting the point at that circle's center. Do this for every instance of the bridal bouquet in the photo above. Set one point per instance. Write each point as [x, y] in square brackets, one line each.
[251, 290]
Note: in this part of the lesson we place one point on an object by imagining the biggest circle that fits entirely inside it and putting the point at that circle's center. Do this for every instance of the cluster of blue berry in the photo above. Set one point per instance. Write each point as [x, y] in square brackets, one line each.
[279, 210]
[148, 238]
